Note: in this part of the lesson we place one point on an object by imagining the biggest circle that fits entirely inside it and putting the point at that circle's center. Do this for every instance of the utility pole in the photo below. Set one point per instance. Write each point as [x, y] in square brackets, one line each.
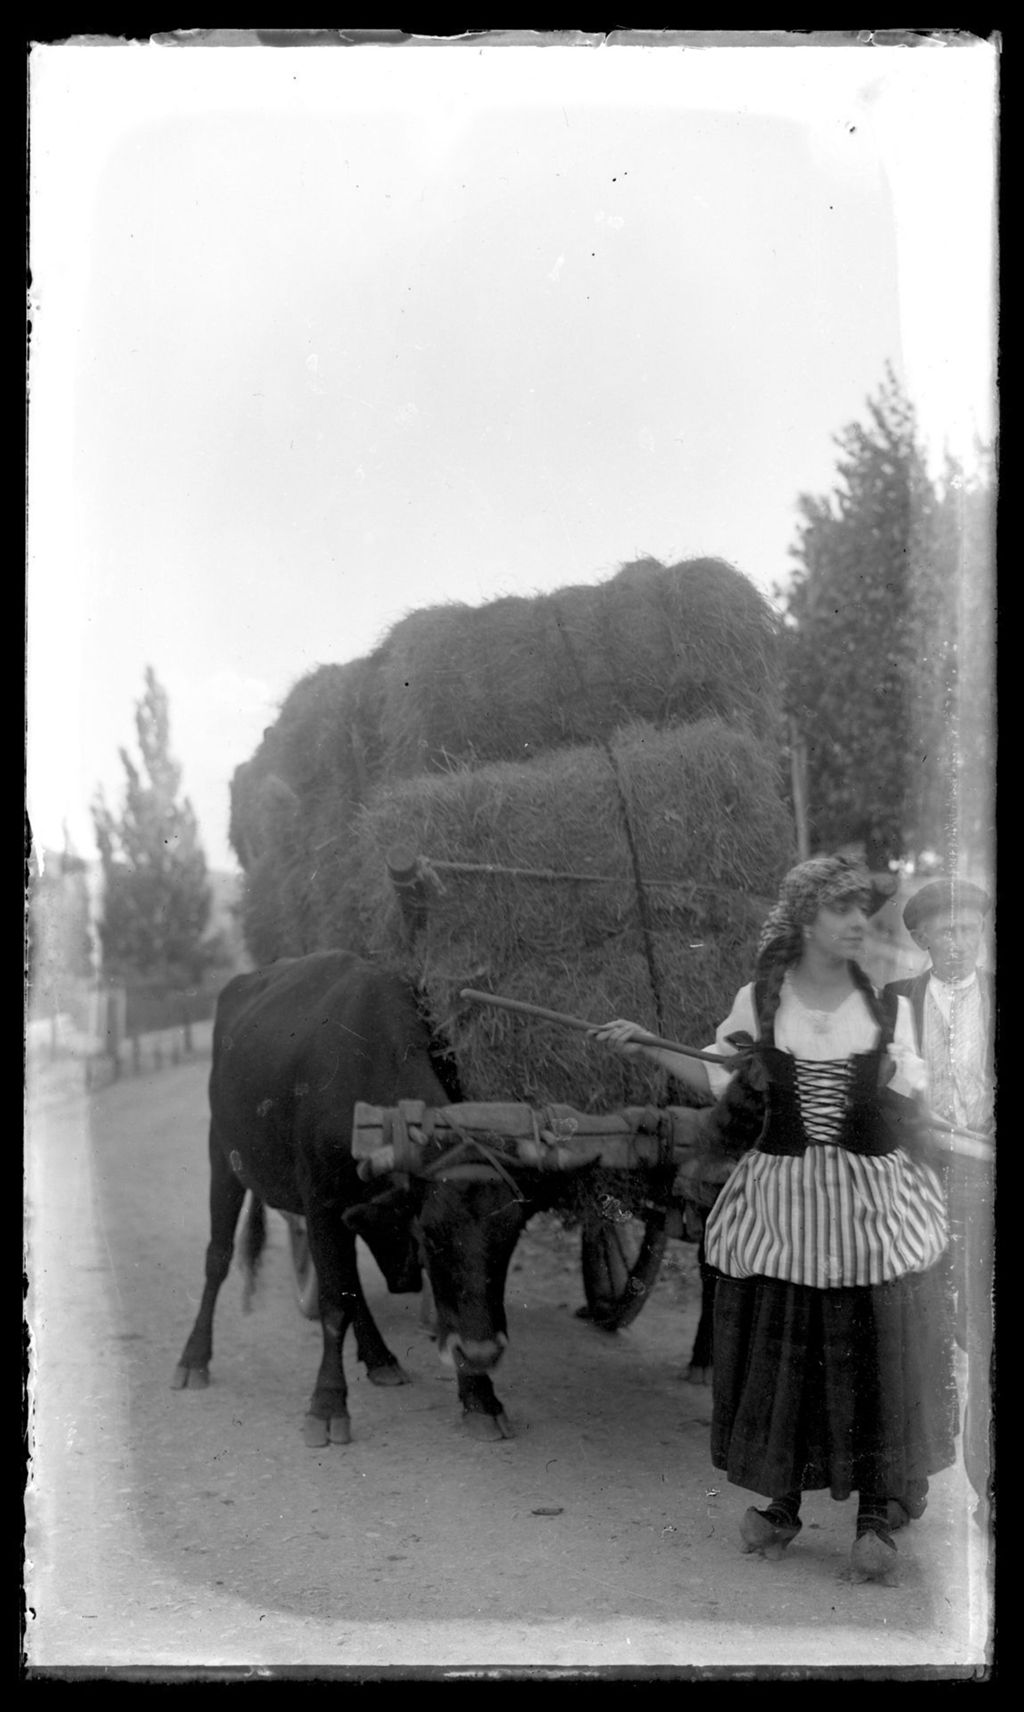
[798, 773]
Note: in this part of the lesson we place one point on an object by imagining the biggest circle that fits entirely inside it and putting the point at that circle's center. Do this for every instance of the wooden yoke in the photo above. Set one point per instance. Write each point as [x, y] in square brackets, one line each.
[553, 1137]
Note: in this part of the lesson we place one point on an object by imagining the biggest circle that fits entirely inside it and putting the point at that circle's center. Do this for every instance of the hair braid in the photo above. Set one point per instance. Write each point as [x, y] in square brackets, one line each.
[769, 987]
[864, 986]
[774, 958]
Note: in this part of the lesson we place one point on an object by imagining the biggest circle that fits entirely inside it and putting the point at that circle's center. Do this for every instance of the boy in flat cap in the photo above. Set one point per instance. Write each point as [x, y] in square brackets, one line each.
[952, 1000]
[952, 1005]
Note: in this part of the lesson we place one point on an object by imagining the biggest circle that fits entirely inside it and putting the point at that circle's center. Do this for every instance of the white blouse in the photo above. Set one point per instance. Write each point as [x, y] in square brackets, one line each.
[820, 1035]
[828, 1217]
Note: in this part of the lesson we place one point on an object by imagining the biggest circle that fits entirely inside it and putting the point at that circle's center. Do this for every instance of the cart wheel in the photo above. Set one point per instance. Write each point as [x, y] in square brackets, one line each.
[307, 1288]
[620, 1260]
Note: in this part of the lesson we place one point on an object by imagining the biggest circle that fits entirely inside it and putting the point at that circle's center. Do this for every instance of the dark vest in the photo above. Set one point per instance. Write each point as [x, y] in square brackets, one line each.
[874, 1121]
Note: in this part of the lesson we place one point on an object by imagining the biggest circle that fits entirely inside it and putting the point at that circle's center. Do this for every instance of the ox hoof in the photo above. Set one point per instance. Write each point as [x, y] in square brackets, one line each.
[697, 1375]
[489, 1428]
[389, 1374]
[318, 1432]
[190, 1379]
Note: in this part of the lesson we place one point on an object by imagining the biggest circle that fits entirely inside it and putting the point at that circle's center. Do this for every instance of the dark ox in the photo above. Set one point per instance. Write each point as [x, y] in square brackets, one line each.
[294, 1047]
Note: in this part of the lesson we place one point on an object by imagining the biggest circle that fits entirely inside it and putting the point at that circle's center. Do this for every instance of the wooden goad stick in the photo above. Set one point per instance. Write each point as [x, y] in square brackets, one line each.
[585, 1027]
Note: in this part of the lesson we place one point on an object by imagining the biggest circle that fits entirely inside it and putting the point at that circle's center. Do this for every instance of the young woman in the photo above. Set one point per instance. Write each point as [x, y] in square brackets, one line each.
[833, 1348]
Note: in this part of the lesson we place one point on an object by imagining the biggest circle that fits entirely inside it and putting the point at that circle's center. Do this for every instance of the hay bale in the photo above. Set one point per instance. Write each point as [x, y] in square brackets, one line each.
[523, 675]
[244, 834]
[277, 903]
[324, 745]
[327, 736]
[267, 925]
[315, 764]
[503, 1055]
[705, 811]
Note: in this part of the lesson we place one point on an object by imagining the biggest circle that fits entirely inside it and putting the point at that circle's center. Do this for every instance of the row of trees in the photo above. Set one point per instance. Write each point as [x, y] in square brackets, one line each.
[888, 625]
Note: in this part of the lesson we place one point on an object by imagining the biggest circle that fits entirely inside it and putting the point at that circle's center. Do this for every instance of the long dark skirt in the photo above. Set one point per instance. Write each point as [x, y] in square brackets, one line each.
[851, 1390]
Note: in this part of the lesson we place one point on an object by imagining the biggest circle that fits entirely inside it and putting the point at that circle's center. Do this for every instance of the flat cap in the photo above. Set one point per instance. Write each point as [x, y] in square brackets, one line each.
[947, 894]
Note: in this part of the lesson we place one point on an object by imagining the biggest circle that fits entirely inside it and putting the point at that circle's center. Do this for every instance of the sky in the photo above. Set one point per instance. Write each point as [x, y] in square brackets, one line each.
[323, 336]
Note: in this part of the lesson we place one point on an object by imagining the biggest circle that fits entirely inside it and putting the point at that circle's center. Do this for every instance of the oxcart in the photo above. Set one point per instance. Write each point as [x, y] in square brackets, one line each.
[656, 1178]
[625, 1223]
[651, 1180]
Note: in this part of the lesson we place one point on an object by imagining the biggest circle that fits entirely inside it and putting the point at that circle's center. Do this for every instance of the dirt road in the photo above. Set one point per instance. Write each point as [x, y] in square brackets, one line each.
[194, 1528]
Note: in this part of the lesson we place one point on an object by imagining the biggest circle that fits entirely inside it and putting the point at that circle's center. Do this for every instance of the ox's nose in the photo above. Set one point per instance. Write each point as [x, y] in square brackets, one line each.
[473, 1355]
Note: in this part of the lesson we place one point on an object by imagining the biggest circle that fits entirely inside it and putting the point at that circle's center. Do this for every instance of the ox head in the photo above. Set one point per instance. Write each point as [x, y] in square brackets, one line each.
[473, 1198]
[467, 1232]
[384, 1225]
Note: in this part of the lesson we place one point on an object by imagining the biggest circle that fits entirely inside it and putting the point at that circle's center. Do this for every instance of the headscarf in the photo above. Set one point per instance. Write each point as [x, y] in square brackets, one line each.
[821, 882]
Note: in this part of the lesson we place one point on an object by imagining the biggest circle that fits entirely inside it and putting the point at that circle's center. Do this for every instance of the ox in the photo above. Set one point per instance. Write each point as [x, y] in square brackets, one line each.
[295, 1046]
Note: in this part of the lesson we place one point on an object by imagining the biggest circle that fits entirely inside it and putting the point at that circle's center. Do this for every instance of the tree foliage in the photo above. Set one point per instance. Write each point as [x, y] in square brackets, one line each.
[157, 897]
[887, 642]
[955, 629]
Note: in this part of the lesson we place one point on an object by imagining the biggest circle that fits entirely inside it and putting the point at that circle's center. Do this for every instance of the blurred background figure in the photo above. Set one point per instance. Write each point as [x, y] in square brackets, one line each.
[953, 1009]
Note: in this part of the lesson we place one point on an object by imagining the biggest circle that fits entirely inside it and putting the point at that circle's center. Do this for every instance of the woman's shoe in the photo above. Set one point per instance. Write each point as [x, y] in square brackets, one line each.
[873, 1557]
[910, 1506]
[915, 1499]
[761, 1531]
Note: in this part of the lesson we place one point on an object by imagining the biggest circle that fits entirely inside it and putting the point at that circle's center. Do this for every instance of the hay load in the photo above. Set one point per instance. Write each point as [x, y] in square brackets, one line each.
[520, 676]
[511, 679]
[695, 810]
[624, 734]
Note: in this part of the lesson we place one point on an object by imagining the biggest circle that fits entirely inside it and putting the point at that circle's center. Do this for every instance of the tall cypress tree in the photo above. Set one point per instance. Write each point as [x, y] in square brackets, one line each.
[954, 622]
[157, 896]
[853, 676]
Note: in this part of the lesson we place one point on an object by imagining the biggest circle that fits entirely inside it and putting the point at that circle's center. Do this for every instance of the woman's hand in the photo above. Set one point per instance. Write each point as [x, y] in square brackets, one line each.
[629, 1040]
[626, 1038]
